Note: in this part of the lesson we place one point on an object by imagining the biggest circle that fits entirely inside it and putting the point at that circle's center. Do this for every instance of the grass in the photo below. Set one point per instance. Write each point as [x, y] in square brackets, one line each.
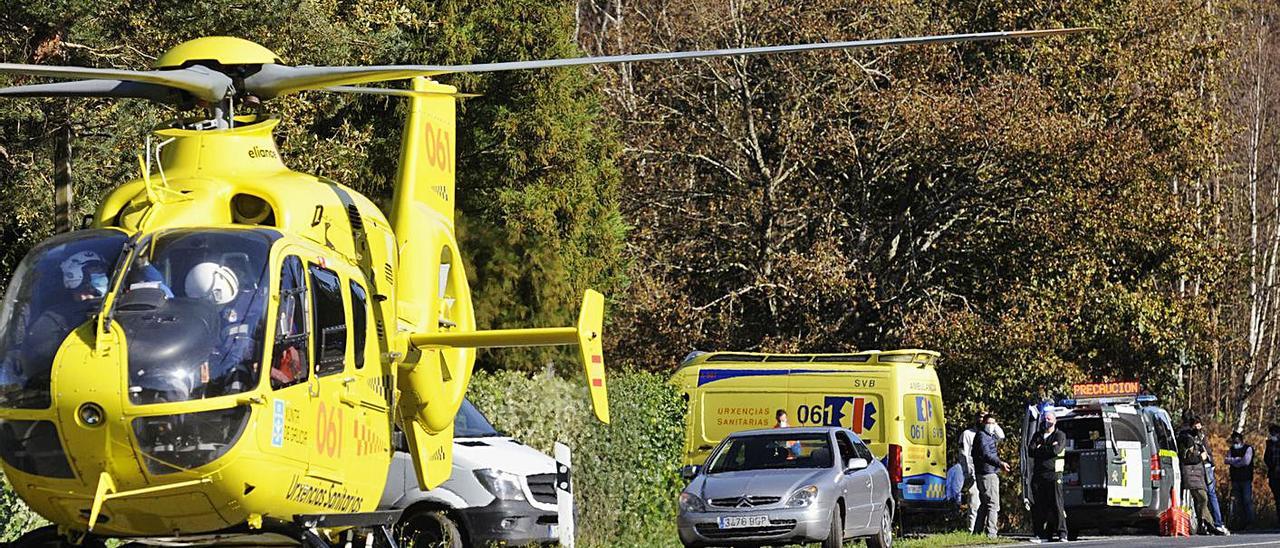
[949, 539]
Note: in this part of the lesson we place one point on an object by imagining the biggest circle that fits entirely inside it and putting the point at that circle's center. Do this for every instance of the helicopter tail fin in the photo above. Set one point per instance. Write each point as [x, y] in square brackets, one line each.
[427, 155]
[429, 396]
[587, 334]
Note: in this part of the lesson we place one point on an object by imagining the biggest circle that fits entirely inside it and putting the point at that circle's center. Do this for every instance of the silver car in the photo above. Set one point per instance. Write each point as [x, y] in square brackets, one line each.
[782, 486]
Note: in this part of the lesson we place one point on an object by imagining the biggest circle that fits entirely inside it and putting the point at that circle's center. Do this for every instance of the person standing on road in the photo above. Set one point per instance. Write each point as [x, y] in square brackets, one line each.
[1192, 454]
[1210, 477]
[970, 489]
[1271, 460]
[988, 466]
[1240, 459]
[1046, 449]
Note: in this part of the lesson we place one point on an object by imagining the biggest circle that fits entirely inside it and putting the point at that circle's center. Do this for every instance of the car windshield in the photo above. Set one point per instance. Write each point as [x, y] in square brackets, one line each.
[772, 451]
[54, 290]
[193, 307]
[470, 423]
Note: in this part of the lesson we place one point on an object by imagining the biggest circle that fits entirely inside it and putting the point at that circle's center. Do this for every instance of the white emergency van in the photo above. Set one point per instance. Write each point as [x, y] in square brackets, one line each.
[501, 492]
[1121, 464]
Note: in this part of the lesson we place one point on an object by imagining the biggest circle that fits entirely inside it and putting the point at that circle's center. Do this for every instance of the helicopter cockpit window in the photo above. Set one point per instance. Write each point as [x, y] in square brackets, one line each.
[193, 307]
[55, 289]
[359, 321]
[289, 365]
[330, 321]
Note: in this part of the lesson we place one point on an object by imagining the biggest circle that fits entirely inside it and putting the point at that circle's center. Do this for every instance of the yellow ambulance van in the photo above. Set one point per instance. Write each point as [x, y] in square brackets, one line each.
[890, 398]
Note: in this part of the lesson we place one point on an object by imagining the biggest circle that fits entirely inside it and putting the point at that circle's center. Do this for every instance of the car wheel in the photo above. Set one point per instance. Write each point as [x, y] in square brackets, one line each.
[427, 529]
[884, 538]
[835, 537]
[48, 537]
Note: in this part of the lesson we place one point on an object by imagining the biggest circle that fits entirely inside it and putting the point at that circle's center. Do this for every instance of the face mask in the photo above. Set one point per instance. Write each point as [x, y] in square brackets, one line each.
[990, 429]
[1237, 445]
[99, 283]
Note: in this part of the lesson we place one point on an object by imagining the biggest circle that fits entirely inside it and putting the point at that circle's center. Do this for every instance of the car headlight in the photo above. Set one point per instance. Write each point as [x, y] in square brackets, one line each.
[803, 496]
[690, 502]
[503, 485]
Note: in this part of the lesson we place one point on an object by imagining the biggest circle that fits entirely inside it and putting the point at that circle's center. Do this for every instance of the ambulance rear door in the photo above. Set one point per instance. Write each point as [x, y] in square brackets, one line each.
[1128, 456]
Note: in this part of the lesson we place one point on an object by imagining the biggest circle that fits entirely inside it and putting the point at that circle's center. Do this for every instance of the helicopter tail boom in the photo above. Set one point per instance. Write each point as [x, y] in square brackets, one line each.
[586, 334]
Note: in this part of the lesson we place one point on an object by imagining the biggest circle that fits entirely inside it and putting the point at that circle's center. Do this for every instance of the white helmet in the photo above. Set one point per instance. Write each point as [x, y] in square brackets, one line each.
[212, 281]
[73, 269]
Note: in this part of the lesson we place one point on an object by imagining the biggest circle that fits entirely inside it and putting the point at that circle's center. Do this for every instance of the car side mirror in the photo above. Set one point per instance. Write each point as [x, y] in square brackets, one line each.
[690, 471]
[857, 464]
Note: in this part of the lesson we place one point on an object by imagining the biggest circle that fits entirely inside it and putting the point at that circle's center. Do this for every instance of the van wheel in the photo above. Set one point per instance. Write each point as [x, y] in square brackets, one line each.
[427, 529]
[884, 538]
[835, 537]
[48, 537]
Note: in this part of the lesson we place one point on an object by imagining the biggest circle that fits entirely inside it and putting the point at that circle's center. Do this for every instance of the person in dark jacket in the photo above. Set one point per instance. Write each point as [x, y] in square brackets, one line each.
[1271, 460]
[1046, 448]
[1240, 459]
[987, 466]
[1192, 455]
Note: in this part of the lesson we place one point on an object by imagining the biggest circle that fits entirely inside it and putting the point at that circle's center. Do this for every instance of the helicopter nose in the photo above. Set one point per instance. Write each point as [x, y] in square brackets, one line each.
[87, 384]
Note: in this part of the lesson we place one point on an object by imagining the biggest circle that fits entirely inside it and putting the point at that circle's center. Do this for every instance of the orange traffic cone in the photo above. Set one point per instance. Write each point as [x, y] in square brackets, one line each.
[1175, 522]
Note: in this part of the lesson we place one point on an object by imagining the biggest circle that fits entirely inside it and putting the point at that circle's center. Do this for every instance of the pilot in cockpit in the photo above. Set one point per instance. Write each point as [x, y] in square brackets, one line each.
[220, 285]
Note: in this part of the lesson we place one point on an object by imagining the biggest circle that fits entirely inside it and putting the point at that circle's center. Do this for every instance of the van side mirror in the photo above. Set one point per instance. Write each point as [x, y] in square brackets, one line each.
[856, 464]
[690, 471]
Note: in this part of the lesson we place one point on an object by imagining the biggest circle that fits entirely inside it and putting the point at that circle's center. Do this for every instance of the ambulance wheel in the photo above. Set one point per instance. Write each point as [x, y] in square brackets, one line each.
[884, 538]
[48, 537]
[835, 537]
[427, 528]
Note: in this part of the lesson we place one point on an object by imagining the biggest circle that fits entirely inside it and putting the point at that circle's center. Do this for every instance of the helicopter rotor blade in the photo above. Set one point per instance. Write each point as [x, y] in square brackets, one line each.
[95, 88]
[395, 92]
[202, 82]
[273, 79]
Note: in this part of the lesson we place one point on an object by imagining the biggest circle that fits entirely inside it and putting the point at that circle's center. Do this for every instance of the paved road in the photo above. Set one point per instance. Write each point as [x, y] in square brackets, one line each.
[1240, 540]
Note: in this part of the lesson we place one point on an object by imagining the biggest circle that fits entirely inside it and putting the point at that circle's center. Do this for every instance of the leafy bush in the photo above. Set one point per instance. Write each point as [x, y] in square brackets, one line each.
[625, 473]
[15, 517]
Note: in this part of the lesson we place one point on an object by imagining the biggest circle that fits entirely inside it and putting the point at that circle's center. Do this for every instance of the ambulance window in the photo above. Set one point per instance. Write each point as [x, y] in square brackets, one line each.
[846, 447]
[359, 321]
[289, 364]
[330, 321]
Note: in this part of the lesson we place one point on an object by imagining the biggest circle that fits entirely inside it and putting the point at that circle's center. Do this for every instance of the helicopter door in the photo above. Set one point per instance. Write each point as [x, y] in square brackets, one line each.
[290, 433]
[333, 415]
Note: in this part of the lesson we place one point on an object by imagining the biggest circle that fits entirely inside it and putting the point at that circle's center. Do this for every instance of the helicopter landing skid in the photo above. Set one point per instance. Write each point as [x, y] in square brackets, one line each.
[380, 521]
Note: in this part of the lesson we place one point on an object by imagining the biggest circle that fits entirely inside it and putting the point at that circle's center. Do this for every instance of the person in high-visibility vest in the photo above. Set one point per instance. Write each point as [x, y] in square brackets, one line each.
[1046, 449]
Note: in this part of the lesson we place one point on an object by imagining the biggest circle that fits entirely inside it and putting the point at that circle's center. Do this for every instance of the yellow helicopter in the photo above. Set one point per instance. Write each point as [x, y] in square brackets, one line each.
[225, 355]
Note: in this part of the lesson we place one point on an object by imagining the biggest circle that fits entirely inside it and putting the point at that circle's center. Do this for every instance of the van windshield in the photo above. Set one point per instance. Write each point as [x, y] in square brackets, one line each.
[470, 423]
[772, 451]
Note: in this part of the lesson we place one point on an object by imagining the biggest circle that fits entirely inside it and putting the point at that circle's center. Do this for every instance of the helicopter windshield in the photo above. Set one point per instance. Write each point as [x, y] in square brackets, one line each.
[55, 289]
[193, 305]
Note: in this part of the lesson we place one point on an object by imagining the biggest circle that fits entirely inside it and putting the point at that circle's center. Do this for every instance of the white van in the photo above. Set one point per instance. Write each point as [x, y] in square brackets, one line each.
[501, 491]
[1121, 465]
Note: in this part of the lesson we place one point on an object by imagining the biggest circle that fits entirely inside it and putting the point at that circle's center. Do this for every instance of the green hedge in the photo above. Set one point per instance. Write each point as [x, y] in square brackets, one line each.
[15, 517]
[625, 473]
